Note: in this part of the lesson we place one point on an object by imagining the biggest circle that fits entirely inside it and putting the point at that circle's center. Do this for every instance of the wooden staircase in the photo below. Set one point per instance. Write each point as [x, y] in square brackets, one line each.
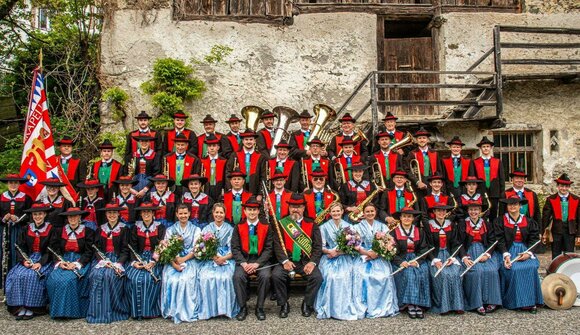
[479, 89]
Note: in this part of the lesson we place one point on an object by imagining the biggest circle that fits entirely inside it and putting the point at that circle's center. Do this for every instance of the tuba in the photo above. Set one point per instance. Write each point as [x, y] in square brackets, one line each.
[252, 116]
[286, 116]
[323, 115]
[405, 141]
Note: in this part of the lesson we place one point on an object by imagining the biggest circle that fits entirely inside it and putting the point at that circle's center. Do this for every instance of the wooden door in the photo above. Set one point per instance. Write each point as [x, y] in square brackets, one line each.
[407, 54]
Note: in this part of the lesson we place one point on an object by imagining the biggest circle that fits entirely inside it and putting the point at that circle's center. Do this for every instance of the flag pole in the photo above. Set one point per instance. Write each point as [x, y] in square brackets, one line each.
[40, 56]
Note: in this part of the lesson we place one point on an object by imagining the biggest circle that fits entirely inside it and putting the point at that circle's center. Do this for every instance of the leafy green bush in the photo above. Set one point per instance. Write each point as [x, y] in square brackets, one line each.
[117, 98]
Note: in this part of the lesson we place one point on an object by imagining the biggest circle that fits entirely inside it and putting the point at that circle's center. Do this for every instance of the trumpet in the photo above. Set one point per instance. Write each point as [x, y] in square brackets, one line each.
[378, 178]
[165, 167]
[414, 164]
[339, 173]
[305, 179]
[322, 215]
[236, 163]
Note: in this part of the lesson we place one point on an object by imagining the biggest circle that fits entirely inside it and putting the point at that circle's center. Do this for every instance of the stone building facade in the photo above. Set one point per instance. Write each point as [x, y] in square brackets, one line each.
[321, 58]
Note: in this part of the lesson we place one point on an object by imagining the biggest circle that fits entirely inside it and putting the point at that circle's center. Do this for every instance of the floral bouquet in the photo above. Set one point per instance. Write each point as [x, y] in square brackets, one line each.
[384, 245]
[347, 240]
[167, 250]
[206, 246]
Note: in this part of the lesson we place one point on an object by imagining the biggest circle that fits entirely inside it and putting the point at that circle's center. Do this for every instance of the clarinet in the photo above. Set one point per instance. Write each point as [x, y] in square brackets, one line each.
[28, 259]
[60, 259]
[140, 260]
[104, 257]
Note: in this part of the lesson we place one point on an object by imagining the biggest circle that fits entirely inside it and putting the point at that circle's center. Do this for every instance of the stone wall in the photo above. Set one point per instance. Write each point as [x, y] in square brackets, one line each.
[319, 59]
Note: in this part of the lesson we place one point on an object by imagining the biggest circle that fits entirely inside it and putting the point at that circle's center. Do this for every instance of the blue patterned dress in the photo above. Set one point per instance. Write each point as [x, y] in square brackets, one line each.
[180, 297]
[335, 297]
[108, 301]
[216, 282]
[446, 289]
[374, 287]
[23, 286]
[69, 295]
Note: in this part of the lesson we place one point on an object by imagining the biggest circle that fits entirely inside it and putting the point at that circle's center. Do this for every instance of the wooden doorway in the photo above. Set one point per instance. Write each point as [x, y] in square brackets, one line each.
[407, 46]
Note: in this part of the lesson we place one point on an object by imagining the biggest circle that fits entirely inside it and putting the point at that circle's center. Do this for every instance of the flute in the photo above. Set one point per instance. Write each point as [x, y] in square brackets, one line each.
[60, 259]
[447, 261]
[413, 260]
[478, 259]
[520, 254]
[28, 259]
[104, 257]
[140, 260]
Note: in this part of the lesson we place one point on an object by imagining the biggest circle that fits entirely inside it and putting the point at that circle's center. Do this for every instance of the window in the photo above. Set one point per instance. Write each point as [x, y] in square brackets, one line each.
[42, 19]
[517, 150]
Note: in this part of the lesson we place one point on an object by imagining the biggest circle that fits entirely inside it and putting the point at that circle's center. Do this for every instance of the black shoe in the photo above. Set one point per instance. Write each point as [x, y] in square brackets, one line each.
[419, 313]
[412, 313]
[306, 310]
[284, 311]
[260, 314]
[242, 314]
[480, 311]
[27, 317]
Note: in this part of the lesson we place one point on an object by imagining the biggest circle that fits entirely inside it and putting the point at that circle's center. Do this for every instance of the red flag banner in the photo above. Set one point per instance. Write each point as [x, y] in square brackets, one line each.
[39, 161]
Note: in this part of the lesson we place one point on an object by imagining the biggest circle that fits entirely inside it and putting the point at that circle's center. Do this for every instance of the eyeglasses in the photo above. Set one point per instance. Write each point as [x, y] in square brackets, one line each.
[318, 178]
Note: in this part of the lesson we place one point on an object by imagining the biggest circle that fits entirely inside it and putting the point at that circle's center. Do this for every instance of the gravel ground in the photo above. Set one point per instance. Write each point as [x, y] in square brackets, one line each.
[546, 321]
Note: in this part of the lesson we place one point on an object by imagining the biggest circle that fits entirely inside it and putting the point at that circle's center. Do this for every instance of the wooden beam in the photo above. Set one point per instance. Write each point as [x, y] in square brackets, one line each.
[479, 9]
[540, 61]
[435, 103]
[541, 45]
[412, 85]
[391, 10]
[238, 18]
[542, 76]
[539, 30]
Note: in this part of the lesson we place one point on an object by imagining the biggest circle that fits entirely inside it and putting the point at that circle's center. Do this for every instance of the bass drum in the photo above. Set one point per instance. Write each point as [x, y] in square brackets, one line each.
[569, 265]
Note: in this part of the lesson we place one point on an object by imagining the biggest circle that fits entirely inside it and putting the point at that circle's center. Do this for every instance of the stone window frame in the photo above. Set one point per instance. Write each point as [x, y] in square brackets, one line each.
[523, 144]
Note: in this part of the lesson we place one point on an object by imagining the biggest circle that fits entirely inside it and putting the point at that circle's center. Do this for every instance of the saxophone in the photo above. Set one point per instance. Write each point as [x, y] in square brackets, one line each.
[357, 217]
[320, 217]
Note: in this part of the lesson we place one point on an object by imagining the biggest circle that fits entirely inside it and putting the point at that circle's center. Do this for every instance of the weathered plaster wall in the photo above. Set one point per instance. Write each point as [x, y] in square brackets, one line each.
[319, 59]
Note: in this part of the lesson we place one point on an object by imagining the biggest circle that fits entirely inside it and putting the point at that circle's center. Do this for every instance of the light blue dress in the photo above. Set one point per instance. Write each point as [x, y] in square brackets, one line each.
[216, 282]
[335, 297]
[374, 287]
[179, 290]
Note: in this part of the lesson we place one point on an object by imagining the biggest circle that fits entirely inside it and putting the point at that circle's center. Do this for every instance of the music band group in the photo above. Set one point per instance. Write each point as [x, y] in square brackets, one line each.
[464, 241]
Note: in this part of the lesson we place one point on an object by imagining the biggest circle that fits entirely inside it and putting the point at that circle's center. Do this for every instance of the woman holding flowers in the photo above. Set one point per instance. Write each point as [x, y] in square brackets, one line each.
[180, 295]
[216, 274]
[374, 287]
[143, 287]
[339, 240]
[412, 282]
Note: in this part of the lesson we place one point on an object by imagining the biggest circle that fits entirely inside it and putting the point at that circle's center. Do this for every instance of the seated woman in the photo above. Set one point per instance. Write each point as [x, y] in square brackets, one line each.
[335, 297]
[520, 283]
[216, 276]
[481, 283]
[67, 293]
[413, 292]
[180, 288]
[446, 288]
[107, 300]
[374, 287]
[143, 286]
[26, 282]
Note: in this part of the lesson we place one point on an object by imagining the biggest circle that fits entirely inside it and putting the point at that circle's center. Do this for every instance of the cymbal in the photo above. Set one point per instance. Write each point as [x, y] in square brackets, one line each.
[559, 291]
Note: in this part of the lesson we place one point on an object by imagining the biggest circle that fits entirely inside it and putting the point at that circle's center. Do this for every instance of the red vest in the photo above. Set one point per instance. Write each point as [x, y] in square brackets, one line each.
[201, 139]
[254, 159]
[234, 142]
[493, 168]
[338, 140]
[342, 161]
[220, 166]
[283, 202]
[267, 137]
[229, 199]
[115, 167]
[448, 164]
[73, 165]
[392, 196]
[134, 133]
[261, 232]
[432, 161]
[393, 157]
[324, 165]
[310, 198]
[171, 160]
[288, 165]
[557, 208]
